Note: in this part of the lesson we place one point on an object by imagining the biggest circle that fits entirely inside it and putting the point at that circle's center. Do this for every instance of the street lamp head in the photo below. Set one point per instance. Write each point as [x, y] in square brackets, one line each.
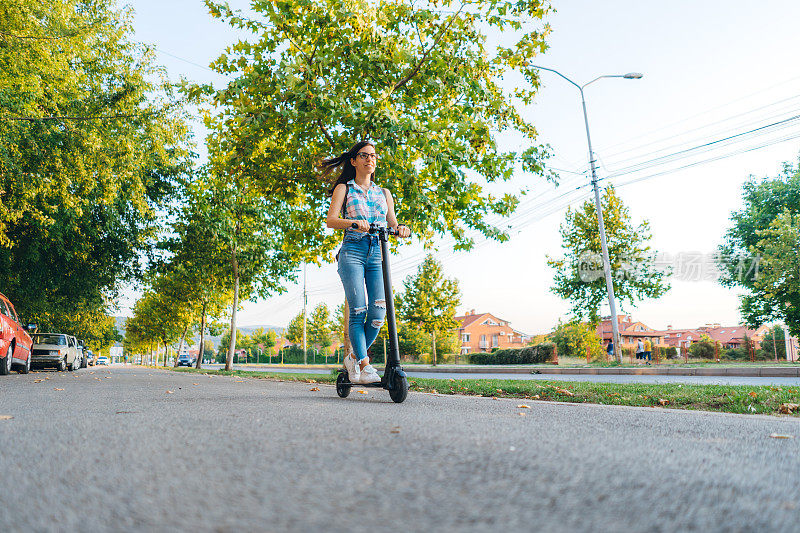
[633, 75]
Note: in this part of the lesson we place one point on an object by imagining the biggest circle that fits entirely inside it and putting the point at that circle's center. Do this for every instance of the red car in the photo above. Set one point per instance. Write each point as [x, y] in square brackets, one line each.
[15, 343]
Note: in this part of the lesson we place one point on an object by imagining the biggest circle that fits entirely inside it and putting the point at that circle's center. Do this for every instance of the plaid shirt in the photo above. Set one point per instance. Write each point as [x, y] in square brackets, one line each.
[369, 205]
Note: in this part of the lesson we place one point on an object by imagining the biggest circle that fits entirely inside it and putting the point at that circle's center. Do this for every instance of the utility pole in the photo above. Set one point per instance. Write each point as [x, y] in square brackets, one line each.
[601, 226]
[305, 301]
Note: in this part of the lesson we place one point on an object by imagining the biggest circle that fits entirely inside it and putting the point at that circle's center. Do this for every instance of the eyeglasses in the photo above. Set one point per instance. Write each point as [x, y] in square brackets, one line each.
[365, 155]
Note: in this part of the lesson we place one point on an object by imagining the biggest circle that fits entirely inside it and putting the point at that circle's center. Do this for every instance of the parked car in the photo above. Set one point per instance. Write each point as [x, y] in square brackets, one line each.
[55, 349]
[184, 360]
[15, 343]
[102, 360]
[83, 350]
[90, 357]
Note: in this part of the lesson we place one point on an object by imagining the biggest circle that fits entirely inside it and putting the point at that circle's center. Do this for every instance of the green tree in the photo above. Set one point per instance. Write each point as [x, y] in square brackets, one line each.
[198, 260]
[93, 147]
[760, 251]
[319, 327]
[579, 274]
[573, 338]
[420, 82]
[774, 345]
[430, 300]
[294, 331]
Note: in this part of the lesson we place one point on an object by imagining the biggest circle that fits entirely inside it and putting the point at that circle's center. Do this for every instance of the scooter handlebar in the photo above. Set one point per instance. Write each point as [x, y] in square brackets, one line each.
[373, 228]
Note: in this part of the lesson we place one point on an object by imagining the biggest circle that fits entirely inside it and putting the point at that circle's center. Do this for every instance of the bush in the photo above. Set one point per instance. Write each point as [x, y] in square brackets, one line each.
[671, 352]
[702, 350]
[737, 354]
[530, 355]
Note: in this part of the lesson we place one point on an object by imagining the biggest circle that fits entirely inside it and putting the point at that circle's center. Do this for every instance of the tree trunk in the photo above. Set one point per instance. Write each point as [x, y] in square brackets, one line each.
[180, 346]
[166, 352]
[232, 346]
[202, 349]
[433, 337]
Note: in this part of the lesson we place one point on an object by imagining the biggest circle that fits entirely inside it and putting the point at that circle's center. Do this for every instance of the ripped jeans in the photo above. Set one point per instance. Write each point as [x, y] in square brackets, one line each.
[360, 265]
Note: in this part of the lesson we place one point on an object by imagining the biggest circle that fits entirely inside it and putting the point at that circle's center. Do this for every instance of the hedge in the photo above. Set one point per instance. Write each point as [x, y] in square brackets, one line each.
[530, 355]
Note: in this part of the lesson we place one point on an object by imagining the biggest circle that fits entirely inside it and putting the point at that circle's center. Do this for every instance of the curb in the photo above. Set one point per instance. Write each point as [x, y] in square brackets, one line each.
[770, 372]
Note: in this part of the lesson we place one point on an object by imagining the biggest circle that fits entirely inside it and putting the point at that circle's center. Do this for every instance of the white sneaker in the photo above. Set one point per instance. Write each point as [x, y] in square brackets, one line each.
[369, 374]
[353, 369]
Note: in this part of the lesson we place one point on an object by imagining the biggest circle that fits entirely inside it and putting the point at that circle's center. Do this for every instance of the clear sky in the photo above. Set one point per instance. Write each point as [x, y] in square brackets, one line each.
[712, 69]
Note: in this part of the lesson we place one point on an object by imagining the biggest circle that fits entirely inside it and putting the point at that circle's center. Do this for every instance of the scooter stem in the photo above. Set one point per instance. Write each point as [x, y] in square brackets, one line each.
[393, 359]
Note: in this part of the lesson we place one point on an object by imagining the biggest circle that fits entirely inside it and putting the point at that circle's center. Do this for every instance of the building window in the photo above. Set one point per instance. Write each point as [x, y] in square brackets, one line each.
[678, 334]
[495, 341]
[465, 337]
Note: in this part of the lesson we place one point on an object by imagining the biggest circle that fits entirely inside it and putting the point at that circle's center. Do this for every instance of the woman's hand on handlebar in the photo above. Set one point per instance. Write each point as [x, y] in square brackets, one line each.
[360, 225]
[403, 231]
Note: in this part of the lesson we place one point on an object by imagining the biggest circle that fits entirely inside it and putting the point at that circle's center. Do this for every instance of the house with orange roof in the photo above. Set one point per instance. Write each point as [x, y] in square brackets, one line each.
[630, 331]
[481, 332]
[733, 336]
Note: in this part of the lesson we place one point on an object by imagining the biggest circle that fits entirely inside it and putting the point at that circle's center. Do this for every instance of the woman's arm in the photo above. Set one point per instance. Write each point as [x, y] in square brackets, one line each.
[391, 218]
[334, 220]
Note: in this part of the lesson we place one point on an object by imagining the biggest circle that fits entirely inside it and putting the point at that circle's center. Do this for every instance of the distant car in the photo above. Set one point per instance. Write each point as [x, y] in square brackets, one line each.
[15, 343]
[102, 360]
[184, 360]
[58, 350]
[90, 357]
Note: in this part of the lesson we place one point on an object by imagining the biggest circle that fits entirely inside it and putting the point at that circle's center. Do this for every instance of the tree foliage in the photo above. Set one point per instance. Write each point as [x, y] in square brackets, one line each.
[92, 146]
[417, 80]
[579, 274]
[761, 250]
[574, 338]
[430, 300]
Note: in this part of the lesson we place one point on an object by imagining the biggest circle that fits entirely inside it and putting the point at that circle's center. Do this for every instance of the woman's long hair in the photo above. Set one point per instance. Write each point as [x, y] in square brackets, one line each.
[348, 170]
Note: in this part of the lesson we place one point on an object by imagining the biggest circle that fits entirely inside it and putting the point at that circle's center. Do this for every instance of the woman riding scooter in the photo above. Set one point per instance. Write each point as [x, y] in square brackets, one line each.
[357, 202]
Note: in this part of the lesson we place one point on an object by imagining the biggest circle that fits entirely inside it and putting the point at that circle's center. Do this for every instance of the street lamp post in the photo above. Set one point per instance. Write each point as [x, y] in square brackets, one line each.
[601, 226]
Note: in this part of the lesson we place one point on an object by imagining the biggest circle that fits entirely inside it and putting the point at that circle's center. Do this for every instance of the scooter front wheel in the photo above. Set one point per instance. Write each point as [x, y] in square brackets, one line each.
[342, 385]
[399, 390]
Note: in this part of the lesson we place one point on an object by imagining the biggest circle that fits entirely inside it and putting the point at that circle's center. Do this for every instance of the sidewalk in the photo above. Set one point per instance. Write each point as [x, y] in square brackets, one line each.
[756, 371]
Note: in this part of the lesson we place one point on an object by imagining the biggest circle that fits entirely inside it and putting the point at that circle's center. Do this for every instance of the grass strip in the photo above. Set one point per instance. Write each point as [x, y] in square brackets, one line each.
[744, 399]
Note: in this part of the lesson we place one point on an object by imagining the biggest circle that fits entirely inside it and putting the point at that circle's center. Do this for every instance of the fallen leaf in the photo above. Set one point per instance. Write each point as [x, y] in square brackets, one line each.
[58, 389]
[363, 392]
[523, 406]
[395, 429]
[565, 392]
[314, 389]
[535, 396]
[663, 401]
[777, 436]
[312, 381]
[522, 414]
[753, 394]
[169, 392]
[6, 417]
[195, 384]
[239, 381]
[787, 408]
[500, 390]
[451, 379]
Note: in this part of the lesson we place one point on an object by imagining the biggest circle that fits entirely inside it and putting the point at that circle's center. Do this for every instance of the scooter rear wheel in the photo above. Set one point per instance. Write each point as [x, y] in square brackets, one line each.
[399, 391]
[341, 389]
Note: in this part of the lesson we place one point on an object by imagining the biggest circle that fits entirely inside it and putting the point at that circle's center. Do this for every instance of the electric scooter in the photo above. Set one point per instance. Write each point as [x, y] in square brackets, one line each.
[394, 378]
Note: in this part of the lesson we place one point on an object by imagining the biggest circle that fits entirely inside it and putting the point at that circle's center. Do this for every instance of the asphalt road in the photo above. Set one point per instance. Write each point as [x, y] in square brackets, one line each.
[114, 451]
[594, 378]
